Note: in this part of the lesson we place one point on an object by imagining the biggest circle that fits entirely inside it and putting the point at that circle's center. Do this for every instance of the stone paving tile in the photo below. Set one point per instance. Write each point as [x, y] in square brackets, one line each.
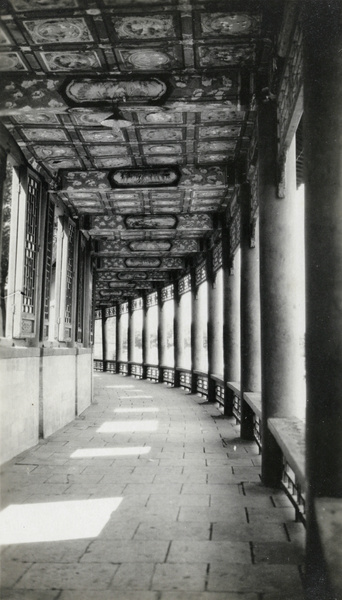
[106, 595]
[223, 513]
[67, 576]
[61, 552]
[127, 551]
[10, 594]
[194, 552]
[262, 532]
[133, 576]
[185, 577]
[179, 500]
[162, 530]
[283, 553]
[11, 571]
[181, 531]
[254, 578]
[209, 596]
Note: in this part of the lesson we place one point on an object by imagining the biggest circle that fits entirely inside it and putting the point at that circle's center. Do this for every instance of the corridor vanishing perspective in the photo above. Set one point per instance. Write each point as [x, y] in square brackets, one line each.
[150, 495]
[170, 232]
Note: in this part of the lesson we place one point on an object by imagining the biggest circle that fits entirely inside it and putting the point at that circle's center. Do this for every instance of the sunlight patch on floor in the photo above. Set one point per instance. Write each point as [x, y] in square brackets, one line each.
[124, 426]
[138, 409]
[110, 452]
[55, 521]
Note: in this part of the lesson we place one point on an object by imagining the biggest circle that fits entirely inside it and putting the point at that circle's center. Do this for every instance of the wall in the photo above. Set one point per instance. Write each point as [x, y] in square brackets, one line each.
[84, 362]
[19, 405]
[41, 390]
[58, 388]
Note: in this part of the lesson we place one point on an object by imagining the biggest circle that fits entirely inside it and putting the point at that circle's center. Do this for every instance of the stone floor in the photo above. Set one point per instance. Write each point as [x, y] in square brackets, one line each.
[149, 495]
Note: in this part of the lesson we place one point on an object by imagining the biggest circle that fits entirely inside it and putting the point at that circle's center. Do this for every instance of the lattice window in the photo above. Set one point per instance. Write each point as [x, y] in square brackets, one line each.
[167, 293]
[110, 312]
[217, 257]
[201, 274]
[152, 299]
[69, 281]
[80, 292]
[48, 261]
[137, 303]
[31, 246]
[123, 308]
[184, 284]
[235, 232]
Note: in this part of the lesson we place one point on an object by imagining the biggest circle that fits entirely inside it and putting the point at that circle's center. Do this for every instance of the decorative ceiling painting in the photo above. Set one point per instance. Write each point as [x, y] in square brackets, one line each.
[137, 111]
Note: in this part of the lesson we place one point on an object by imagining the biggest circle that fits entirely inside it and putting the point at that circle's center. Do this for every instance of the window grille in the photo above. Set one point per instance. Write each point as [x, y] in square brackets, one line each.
[69, 282]
[80, 292]
[50, 232]
[167, 293]
[217, 257]
[184, 284]
[152, 299]
[200, 274]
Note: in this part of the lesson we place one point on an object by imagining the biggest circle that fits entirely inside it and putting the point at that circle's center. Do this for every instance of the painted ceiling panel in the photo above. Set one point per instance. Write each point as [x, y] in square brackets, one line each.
[181, 75]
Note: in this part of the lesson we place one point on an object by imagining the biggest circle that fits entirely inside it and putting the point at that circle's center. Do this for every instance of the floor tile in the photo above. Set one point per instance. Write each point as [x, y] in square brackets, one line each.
[194, 521]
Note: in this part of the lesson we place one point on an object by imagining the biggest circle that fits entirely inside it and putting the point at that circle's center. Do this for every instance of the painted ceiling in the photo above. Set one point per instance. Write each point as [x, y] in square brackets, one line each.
[151, 192]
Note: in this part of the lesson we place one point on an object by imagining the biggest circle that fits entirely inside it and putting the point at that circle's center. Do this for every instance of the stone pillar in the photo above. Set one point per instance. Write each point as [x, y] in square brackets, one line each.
[196, 341]
[249, 310]
[104, 338]
[278, 258]
[323, 218]
[176, 335]
[215, 351]
[231, 319]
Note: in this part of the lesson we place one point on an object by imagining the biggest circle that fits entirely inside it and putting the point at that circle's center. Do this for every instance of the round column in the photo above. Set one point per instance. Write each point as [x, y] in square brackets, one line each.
[278, 258]
[231, 319]
[249, 310]
[323, 218]
[215, 327]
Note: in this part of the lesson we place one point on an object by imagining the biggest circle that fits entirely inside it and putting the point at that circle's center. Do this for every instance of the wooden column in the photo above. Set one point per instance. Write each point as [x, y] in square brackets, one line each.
[278, 257]
[176, 336]
[323, 218]
[195, 340]
[231, 319]
[104, 338]
[249, 310]
[214, 323]
[161, 336]
[144, 338]
[117, 337]
[130, 336]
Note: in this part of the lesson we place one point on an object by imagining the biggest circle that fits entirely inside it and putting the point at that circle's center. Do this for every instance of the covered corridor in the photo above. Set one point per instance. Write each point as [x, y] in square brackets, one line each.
[170, 219]
[150, 495]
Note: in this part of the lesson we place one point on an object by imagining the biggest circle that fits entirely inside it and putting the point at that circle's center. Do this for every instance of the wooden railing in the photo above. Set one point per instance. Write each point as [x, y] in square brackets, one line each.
[98, 364]
[201, 383]
[185, 379]
[219, 389]
[253, 399]
[234, 386]
[110, 366]
[152, 373]
[168, 376]
[290, 437]
[123, 368]
[137, 370]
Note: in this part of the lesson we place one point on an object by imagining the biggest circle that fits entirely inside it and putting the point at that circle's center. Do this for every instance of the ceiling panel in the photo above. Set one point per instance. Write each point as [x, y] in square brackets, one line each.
[149, 192]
